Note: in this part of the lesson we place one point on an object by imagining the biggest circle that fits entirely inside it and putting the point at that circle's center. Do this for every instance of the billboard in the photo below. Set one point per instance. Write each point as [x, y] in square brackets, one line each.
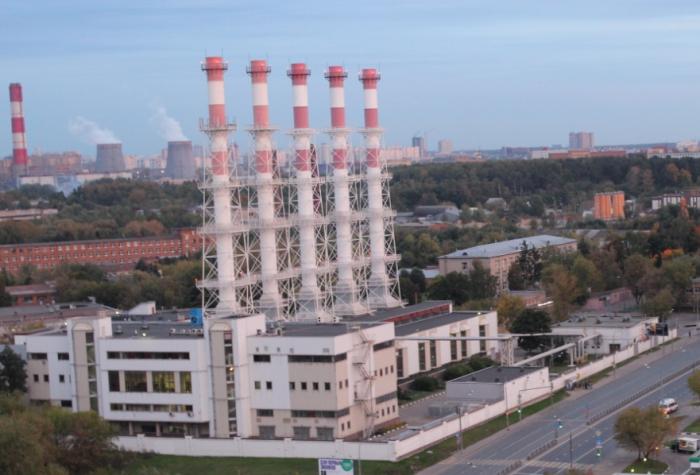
[335, 467]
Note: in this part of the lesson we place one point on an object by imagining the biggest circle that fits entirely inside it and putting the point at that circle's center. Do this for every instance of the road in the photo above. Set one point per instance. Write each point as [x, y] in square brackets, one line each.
[538, 444]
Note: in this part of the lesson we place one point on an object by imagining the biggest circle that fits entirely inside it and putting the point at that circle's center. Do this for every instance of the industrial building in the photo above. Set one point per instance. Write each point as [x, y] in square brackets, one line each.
[499, 256]
[616, 332]
[609, 206]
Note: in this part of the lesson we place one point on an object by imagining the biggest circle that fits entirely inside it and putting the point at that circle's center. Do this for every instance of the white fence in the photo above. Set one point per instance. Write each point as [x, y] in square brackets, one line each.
[407, 443]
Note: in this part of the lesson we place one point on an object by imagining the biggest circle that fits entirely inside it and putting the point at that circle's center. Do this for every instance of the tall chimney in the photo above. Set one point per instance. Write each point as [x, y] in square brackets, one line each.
[109, 158]
[379, 215]
[218, 129]
[309, 298]
[19, 140]
[346, 294]
[180, 160]
[261, 131]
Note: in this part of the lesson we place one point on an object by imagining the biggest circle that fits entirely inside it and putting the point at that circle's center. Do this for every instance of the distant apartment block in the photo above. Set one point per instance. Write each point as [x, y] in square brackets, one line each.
[445, 147]
[581, 140]
[609, 206]
[112, 253]
[499, 256]
[690, 199]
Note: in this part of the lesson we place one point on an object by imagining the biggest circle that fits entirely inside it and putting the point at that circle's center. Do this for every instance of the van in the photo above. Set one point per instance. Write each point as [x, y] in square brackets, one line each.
[668, 406]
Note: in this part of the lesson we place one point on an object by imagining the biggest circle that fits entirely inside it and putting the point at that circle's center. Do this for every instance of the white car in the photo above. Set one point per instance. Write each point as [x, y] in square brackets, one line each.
[668, 406]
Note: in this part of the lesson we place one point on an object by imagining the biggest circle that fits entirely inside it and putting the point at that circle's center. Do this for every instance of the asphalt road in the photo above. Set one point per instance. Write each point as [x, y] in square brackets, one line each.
[534, 438]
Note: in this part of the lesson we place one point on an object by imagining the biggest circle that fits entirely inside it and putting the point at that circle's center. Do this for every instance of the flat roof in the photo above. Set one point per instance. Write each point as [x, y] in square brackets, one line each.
[427, 323]
[391, 313]
[503, 248]
[320, 329]
[155, 329]
[496, 374]
[605, 321]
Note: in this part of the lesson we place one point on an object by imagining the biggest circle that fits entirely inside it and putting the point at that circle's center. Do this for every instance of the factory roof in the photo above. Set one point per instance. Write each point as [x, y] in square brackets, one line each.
[496, 374]
[602, 321]
[508, 247]
[418, 310]
[416, 326]
[320, 329]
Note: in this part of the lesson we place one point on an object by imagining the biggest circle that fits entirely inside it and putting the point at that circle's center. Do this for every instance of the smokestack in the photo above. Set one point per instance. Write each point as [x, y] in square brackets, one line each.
[19, 140]
[218, 129]
[261, 131]
[380, 218]
[309, 297]
[180, 162]
[109, 158]
[347, 298]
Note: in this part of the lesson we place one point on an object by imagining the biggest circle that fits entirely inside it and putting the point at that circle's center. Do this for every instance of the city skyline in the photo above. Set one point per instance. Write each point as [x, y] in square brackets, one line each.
[517, 75]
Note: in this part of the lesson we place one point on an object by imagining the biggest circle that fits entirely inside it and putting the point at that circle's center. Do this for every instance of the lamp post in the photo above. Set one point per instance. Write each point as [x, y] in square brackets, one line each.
[459, 435]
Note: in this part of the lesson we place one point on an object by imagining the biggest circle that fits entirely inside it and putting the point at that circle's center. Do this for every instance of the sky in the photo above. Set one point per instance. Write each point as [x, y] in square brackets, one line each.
[483, 74]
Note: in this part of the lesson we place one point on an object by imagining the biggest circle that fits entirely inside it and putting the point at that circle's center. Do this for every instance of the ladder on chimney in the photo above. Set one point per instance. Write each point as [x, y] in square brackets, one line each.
[365, 391]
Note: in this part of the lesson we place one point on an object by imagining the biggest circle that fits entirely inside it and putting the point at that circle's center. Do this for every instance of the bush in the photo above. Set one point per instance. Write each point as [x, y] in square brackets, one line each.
[456, 371]
[425, 383]
[480, 362]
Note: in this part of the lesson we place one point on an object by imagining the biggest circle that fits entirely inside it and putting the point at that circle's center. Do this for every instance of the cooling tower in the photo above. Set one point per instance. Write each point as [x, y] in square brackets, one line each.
[109, 158]
[180, 162]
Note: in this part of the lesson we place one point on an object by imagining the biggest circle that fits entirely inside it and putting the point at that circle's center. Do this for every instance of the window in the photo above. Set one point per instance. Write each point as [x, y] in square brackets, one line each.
[482, 343]
[66, 403]
[268, 384]
[256, 384]
[46, 378]
[63, 356]
[315, 386]
[186, 382]
[113, 377]
[163, 382]
[383, 345]
[463, 343]
[148, 355]
[265, 412]
[303, 385]
[292, 385]
[261, 358]
[433, 354]
[38, 356]
[327, 386]
[135, 381]
[324, 433]
[453, 348]
[399, 364]
[36, 378]
[61, 378]
[267, 432]
[421, 356]
[302, 433]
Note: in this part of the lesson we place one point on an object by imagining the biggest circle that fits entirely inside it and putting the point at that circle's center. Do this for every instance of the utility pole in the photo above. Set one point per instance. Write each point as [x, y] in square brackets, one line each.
[571, 451]
[459, 435]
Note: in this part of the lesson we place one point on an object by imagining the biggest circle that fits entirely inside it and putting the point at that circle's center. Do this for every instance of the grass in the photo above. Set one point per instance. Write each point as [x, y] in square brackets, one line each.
[693, 426]
[648, 466]
[176, 465]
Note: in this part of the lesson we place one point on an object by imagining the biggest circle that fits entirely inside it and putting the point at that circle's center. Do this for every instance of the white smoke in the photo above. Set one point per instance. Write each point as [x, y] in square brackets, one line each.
[168, 127]
[90, 131]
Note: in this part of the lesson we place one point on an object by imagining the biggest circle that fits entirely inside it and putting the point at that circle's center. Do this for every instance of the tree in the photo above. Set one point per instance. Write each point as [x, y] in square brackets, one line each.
[562, 287]
[526, 271]
[453, 286]
[409, 290]
[13, 376]
[643, 430]
[587, 275]
[482, 285]
[532, 321]
[636, 268]
[509, 307]
[660, 305]
[694, 382]
[679, 273]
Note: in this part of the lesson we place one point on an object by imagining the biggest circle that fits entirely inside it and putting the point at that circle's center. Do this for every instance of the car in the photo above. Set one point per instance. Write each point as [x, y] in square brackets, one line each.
[668, 405]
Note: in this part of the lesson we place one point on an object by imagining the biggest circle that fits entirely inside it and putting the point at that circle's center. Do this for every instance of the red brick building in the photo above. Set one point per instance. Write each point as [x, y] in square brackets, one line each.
[113, 253]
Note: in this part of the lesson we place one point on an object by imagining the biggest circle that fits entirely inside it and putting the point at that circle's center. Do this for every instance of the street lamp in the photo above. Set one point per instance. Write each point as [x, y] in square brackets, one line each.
[459, 436]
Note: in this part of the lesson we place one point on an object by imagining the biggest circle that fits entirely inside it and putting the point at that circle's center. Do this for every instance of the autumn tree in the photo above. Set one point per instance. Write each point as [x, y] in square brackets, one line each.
[562, 287]
[643, 430]
[636, 269]
[509, 307]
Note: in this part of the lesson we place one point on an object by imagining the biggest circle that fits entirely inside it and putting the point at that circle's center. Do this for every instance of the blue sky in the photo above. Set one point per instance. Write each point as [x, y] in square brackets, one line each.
[482, 73]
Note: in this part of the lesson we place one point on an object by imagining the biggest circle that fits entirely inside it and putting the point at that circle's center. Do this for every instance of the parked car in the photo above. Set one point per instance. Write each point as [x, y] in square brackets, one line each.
[668, 406]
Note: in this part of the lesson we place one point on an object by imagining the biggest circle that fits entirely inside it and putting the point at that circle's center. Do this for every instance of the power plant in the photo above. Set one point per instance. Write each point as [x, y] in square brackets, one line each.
[19, 140]
[300, 246]
[180, 160]
[109, 158]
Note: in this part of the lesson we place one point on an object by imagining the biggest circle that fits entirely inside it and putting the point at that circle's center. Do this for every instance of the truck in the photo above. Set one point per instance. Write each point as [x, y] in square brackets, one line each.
[688, 444]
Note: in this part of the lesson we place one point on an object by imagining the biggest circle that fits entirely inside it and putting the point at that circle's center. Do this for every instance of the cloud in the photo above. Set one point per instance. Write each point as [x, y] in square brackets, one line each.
[168, 127]
[91, 132]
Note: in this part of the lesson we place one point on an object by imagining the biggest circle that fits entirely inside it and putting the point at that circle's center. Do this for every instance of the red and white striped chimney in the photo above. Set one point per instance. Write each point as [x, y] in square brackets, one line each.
[347, 301]
[270, 302]
[379, 286]
[19, 140]
[218, 130]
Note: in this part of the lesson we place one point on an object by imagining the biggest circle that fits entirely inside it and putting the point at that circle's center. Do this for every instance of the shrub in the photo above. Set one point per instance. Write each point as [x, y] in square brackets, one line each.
[480, 362]
[456, 371]
[425, 383]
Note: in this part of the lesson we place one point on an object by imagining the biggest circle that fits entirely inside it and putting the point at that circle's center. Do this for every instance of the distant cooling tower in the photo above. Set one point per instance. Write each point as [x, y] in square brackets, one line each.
[180, 162]
[109, 158]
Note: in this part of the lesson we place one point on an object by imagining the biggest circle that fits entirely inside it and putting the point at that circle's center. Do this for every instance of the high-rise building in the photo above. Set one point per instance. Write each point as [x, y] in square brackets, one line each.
[445, 147]
[419, 141]
[581, 140]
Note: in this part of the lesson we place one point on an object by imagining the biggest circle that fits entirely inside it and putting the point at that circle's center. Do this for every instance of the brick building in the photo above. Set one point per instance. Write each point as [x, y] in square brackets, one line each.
[113, 253]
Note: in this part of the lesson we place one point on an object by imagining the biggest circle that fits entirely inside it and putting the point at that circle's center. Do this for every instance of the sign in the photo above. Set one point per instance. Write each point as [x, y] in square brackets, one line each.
[335, 467]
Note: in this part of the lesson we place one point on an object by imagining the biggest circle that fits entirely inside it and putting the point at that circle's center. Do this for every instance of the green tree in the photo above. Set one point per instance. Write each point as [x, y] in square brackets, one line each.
[409, 290]
[694, 382]
[509, 307]
[453, 286]
[636, 268]
[587, 275]
[643, 430]
[562, 287]
[660, 305]
[678, 273]
[532, 321]
[13, 375]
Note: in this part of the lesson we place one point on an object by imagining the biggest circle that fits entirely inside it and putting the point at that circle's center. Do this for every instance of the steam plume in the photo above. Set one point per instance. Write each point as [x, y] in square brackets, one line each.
[90, 131]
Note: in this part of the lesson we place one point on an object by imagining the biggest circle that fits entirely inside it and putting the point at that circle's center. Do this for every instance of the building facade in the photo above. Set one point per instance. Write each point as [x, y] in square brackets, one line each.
[581, 140]
[499, 256]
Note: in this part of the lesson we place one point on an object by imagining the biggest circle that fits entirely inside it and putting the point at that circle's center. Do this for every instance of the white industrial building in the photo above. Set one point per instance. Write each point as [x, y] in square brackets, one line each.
[616, 332]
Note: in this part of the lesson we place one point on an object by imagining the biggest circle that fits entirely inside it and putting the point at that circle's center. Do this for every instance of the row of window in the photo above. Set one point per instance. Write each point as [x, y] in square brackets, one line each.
[300, 433]
[61, 378]
[161, 381]
[148, 355]
[303, 385]
[45, 356]
[304, 358]
[151, 407]
[384, 371]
